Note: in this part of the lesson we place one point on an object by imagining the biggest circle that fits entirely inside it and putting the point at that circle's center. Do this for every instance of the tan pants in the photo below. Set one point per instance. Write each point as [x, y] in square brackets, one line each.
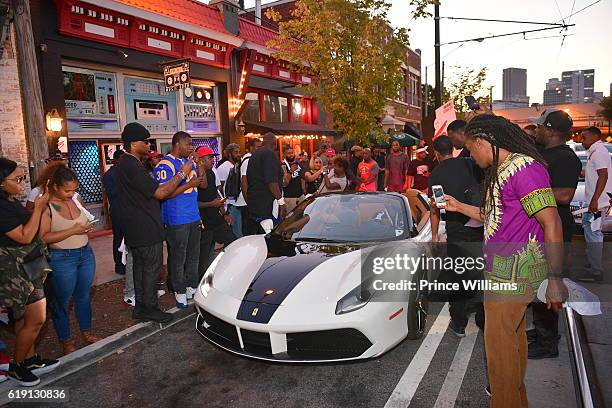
[291, 203]
[506, 348]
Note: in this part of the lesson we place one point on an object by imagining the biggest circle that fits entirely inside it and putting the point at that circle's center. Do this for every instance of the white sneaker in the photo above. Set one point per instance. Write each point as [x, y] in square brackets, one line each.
[160, 293]
[181, 300]
[190, 293]
[131, 301]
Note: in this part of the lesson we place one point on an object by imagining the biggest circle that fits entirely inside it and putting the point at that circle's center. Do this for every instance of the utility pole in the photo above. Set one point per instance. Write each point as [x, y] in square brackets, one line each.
[33, 109]
[491, 98]
[437, 52]
[427, 94]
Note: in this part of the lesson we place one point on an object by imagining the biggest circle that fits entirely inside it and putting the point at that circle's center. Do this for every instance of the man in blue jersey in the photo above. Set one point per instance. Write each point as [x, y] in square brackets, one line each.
[181, 219]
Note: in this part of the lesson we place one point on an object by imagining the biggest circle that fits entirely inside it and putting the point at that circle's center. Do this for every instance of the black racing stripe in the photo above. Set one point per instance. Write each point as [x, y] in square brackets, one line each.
[280, 273]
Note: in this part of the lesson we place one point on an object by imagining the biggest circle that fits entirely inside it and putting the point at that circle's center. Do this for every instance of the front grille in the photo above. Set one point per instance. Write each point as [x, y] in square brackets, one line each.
[256, 343]
[327, 344]
[217, 330]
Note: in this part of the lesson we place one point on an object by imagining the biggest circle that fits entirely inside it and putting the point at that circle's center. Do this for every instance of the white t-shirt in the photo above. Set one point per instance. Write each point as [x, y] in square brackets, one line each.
[241, 202]
[222, 174]
[598, 158]
[333, 179]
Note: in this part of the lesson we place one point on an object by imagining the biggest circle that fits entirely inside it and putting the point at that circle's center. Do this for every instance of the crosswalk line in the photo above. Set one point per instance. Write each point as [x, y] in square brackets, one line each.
[408, 384]
[456, 372]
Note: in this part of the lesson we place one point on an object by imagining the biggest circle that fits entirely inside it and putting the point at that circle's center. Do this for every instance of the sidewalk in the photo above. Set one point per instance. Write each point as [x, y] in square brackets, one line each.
[110, 315]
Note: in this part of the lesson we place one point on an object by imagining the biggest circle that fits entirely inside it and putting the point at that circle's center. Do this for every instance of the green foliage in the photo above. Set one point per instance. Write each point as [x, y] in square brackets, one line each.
[606, 110]
[352, 53]
[465, 82]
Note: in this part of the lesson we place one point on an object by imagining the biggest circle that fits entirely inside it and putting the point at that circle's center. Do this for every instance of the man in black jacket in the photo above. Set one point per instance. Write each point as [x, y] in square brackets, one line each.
[139, 201]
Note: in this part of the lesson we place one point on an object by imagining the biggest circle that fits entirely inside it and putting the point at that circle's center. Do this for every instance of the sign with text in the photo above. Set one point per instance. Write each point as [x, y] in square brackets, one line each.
[445, 114]
[176, 76]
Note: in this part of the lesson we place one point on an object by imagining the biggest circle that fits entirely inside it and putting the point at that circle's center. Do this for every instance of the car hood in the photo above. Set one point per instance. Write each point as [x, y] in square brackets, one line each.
[263, 269]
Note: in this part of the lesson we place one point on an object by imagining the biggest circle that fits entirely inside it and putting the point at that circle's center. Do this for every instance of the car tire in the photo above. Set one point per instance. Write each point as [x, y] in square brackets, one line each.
[417, 311]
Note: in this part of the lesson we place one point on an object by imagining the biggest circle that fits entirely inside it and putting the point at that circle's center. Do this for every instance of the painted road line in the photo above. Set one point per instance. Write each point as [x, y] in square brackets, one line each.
[408, 384]
[456, 373]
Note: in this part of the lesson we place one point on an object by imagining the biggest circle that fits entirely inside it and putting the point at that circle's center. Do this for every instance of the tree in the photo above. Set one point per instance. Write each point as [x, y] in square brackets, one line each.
[465, 82]
[606, 111]
[353, 54]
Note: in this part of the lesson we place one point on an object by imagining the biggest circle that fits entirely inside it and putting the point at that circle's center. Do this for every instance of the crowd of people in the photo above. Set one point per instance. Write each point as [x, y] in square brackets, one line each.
[503, 185]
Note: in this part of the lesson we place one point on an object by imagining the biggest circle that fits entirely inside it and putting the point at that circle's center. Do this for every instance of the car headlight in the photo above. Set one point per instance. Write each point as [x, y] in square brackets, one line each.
[356, 298]
[207, 280]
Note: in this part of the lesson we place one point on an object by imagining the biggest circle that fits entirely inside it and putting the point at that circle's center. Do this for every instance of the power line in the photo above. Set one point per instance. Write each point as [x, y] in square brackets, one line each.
[502, 21]
[559, 10]
[480, 39]
[582, 9]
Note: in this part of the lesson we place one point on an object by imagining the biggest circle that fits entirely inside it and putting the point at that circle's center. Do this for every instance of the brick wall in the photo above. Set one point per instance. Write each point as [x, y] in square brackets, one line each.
[12, 132]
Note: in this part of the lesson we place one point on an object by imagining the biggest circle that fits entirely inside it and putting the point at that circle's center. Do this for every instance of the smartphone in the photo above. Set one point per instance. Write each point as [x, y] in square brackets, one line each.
[471, 103]
[438, 193]
[94, 221]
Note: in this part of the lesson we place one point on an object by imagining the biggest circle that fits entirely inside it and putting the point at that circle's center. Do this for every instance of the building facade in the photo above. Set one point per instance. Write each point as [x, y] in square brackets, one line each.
[579, 86]
[515, 85]
[101, 65]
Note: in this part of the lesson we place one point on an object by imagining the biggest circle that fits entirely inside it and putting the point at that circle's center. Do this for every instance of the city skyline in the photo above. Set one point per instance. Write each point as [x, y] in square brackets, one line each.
[543, 57]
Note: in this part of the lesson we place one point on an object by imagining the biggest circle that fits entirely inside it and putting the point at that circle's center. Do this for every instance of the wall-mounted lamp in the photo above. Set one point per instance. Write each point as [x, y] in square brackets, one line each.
[54, 121]
[122, 54]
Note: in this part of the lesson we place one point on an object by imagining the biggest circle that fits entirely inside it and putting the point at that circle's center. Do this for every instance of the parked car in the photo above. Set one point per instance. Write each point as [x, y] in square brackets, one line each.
[297, 294]
[580, 201]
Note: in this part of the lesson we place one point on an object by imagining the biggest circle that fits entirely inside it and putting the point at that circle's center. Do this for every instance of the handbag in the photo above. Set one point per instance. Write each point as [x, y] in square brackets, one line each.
[31, 259]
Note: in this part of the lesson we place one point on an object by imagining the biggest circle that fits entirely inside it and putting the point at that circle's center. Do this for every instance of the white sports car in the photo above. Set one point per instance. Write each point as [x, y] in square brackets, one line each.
[295, 295]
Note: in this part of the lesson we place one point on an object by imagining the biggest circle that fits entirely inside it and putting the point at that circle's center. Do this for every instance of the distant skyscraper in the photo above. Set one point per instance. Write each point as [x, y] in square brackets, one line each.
[579, 86]
[515, 84]
[554, 93]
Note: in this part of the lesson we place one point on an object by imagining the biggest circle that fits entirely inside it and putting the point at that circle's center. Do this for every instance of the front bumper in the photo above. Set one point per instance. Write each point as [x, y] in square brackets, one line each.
[296, 334]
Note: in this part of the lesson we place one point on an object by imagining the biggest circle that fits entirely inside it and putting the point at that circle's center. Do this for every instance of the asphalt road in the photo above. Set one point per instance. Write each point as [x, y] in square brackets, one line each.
[178, 368]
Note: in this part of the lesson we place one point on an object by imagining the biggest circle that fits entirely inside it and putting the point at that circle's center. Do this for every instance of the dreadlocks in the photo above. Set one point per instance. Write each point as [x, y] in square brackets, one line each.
[501, 134]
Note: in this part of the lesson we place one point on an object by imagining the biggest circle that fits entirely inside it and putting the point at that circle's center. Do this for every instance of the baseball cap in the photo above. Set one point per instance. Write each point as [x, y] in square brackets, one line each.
[205, 151]
[555, 119]
[356, 149]
[330, 152]
[153, 154]
[421, 150]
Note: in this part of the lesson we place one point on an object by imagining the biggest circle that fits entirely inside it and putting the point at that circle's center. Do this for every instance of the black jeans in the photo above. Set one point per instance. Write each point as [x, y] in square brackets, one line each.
[546, 322]
[183, 255]
[117, 238]
[222, 234]
[147, 266]
[466, 242]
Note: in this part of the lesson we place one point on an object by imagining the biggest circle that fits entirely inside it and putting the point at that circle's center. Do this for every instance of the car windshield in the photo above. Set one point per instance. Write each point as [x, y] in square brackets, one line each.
[357, 217]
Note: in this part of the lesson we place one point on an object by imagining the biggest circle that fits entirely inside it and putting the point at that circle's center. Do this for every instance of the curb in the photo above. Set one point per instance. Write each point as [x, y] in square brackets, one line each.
[93, 353]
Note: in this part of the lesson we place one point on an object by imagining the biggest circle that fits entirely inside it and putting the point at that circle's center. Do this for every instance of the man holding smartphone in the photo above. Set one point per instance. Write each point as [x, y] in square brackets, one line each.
[456, 176]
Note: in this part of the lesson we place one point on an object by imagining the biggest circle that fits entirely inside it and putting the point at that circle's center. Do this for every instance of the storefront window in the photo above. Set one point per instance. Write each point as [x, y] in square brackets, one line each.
[275, 108]
[251, 111]
[298, 110]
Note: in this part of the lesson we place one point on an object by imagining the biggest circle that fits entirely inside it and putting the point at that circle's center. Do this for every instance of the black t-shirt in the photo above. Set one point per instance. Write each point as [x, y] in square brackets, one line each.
[313, 186]
[211, 217]
[140, 211]
[455, 176]
[294, 188]
[564, 169]
[12, 215]
[420, 170]
[264, 168]
[109, 181]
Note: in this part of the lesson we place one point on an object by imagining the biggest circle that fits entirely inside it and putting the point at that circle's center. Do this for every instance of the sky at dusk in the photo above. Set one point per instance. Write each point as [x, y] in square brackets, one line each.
[586, 46]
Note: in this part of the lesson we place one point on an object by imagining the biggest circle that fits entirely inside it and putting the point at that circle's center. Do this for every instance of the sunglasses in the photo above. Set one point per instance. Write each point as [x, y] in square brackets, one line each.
[18, 180]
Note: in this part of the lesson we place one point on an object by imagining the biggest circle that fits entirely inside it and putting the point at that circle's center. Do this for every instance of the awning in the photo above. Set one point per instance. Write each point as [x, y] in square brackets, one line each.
[391, 121]
[288, 129]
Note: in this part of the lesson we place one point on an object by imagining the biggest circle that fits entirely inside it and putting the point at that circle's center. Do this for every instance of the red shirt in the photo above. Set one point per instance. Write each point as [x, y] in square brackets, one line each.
[367, 170]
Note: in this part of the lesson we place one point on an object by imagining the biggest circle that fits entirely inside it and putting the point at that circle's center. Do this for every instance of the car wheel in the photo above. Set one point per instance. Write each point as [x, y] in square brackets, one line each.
[417, 311]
